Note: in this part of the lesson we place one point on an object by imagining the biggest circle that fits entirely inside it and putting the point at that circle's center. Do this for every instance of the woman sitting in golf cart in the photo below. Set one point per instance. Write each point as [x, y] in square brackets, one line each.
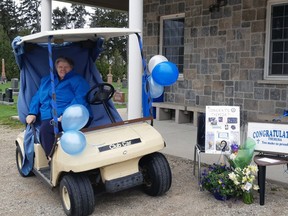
[70, 88]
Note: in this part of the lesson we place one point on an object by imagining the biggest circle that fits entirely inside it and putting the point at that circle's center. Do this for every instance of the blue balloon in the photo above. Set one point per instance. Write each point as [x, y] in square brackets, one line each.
[74, 117]
[156, 90]
[165, 73]
[73, 142]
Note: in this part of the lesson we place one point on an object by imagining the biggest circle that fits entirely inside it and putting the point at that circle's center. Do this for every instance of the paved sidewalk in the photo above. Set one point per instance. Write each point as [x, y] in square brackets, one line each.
[181, 139]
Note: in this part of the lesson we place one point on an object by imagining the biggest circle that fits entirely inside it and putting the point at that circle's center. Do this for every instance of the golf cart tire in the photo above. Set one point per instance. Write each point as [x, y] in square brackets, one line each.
[77, 195]
[19, 159]
[156, 173]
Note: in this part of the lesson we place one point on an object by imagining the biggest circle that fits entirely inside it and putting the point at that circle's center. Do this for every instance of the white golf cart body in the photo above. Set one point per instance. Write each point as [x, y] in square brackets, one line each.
[117, 155]
[111, 149]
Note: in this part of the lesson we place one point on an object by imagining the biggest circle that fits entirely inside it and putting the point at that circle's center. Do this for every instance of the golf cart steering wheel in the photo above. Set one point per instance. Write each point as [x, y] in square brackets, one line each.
[100, 93]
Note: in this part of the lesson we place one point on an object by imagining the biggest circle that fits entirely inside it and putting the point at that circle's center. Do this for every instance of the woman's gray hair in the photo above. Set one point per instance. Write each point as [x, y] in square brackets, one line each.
[64, 59]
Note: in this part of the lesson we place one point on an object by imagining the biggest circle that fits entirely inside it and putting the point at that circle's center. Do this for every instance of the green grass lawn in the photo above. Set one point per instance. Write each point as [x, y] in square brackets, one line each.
[6, 111]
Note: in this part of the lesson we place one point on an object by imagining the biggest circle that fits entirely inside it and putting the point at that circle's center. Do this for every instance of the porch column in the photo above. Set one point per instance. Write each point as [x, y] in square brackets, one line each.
[135, 61]
[46, 15]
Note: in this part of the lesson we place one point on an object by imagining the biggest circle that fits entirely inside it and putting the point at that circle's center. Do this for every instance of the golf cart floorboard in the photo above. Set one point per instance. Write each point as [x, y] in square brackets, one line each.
[44, 174]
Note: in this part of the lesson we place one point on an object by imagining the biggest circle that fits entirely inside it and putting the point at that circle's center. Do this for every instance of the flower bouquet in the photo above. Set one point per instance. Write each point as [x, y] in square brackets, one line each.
[216, 180]
[243, 174]
[244, 179]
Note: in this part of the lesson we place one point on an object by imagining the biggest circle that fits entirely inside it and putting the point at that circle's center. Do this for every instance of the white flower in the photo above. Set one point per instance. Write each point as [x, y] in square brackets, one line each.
[246, 171]
[255, 187]
[253, 168]
[232, 156]
[244, 179]
[232, 176]
[236, 182]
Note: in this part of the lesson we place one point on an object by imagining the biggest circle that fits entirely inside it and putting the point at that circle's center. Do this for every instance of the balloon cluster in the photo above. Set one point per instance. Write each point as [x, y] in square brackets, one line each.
[74, 118]
[163, 73]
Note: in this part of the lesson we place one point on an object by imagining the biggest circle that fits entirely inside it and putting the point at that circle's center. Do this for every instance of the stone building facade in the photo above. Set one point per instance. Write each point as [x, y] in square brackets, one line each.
[224, 55]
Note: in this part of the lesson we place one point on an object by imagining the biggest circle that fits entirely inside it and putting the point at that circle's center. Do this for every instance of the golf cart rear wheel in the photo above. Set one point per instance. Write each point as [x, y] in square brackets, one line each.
[156, 173]
[77, 195]
[19, 160]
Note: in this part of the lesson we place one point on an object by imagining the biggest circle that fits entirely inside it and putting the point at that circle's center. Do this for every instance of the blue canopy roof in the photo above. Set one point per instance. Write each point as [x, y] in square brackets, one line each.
[32, 59]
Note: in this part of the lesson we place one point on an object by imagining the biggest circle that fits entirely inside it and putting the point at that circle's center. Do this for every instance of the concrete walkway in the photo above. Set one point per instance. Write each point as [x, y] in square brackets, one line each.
[181, 139]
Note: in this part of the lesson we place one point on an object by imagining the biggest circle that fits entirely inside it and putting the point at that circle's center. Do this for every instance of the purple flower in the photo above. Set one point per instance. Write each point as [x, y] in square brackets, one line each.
[234, 147]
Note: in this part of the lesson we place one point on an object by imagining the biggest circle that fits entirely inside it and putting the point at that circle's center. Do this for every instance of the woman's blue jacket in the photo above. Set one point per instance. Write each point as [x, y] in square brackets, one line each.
[70, 90]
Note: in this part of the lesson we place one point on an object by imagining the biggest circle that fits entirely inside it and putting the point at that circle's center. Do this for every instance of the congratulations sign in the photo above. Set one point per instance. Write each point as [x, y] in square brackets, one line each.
[269, 137]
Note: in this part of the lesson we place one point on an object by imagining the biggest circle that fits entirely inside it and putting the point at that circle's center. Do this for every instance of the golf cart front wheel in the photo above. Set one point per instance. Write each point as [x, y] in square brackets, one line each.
[156, 173]
[77, 195]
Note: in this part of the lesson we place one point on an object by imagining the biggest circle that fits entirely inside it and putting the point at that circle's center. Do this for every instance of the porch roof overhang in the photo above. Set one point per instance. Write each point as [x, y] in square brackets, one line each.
[122, 5]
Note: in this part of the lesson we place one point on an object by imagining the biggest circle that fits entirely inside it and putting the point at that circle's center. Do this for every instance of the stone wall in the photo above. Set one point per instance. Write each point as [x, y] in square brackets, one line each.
[223, 57]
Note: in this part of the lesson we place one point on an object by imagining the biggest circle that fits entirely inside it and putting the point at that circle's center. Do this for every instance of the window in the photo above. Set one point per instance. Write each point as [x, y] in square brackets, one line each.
[172, 39]
[276, 54]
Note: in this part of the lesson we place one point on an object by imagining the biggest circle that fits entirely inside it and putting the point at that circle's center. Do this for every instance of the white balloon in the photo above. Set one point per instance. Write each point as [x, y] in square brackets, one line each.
[156, 60]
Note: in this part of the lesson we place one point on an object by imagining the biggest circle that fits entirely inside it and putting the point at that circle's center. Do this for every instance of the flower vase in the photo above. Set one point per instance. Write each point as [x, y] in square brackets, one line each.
[247, 197]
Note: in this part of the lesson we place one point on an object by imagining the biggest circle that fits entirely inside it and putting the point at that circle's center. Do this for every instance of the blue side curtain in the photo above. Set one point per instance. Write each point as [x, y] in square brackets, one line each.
[33, 62]
[31, 136]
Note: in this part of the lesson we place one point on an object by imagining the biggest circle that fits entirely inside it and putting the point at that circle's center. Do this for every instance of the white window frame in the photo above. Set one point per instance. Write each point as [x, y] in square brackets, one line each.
[167, 17]
[270, 3]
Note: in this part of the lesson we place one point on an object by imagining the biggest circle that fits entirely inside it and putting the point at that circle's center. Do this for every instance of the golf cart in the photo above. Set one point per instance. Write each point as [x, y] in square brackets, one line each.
[118, 154]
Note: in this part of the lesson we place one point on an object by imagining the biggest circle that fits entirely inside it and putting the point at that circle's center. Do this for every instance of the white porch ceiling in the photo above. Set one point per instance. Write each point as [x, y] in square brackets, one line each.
[122, 5]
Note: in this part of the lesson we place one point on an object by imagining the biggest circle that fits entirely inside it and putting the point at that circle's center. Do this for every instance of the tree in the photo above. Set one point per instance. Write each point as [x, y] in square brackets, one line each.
[118, 68]
[60, 18]
[31, 15]
[78, 15]
[103, 67]
[9, 20]
[110, 18]
[12, 70]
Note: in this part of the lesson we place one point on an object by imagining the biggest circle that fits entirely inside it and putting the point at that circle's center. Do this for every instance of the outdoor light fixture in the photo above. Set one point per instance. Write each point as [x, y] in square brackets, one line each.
[217, 5]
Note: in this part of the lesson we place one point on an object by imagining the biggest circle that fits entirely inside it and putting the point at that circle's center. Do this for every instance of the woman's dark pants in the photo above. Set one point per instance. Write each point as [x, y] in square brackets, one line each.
[47, 136]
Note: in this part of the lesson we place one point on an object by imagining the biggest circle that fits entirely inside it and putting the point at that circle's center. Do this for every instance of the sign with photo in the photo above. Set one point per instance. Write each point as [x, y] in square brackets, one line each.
[269, 137]
[222, 128]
